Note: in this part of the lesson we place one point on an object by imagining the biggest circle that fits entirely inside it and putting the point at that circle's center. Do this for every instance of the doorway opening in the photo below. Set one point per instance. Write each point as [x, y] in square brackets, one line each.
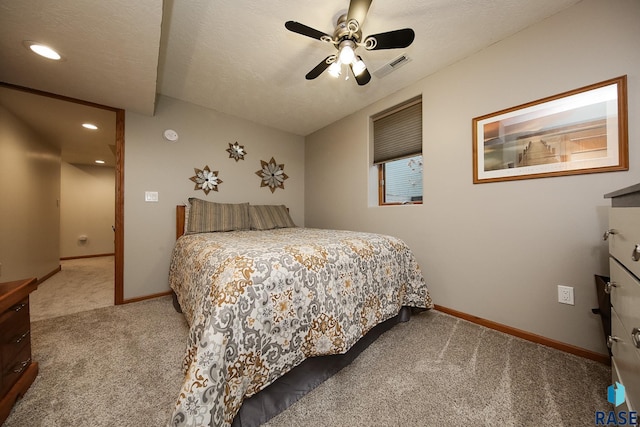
[44, 118]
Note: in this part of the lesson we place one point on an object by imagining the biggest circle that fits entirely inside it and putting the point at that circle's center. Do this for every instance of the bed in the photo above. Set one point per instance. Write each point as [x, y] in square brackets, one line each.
[274, 309]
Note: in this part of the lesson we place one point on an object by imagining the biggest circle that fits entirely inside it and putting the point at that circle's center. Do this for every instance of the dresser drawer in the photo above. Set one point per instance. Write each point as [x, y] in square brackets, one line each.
[13, 370]
[17, 313]
[623, 241]
[625, 295]
[10, 350]
[614, 379]
[627, 360]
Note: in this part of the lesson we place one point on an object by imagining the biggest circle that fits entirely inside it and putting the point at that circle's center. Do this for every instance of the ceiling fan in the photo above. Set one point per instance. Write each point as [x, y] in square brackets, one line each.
[347, 37]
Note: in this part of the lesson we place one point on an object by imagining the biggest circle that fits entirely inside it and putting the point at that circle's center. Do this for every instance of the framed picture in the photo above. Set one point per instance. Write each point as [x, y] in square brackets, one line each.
[576, 132]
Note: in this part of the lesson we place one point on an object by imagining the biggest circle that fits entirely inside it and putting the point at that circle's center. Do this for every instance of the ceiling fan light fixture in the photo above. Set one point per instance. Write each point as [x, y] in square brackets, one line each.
[347, 55]
[346, 38]
[335, 69]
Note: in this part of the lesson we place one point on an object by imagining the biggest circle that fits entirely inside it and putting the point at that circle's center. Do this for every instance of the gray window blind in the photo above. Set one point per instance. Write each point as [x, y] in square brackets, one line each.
[398, 133]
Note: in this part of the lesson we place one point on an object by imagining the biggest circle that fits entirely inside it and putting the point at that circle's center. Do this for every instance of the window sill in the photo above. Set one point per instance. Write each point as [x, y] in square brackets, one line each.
[400, 204]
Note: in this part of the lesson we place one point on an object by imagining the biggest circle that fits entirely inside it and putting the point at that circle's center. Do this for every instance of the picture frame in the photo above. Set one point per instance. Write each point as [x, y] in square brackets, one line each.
[581, 131]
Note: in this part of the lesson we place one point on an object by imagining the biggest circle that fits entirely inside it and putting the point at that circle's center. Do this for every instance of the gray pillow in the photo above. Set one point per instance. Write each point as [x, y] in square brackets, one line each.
[205, 217]
[267, 217]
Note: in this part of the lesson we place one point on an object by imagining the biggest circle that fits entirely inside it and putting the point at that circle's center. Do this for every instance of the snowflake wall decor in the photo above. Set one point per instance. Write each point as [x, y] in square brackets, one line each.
[272, 175]
[206, 180]
[236, 151]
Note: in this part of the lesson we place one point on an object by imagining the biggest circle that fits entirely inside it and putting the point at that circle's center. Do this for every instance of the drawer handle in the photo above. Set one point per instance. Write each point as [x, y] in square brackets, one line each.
[19, 307]
[608, 286]
[22, 366]
[635, 255]
[635, 336]
[21, 337]
[611, 340]
[609, 232]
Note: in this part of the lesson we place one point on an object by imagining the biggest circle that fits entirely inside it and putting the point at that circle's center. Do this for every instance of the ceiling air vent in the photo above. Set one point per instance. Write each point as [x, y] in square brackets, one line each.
[391, 66]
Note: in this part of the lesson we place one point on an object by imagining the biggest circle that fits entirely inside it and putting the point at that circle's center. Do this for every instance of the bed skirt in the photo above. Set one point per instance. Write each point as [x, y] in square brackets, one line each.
[312, 372]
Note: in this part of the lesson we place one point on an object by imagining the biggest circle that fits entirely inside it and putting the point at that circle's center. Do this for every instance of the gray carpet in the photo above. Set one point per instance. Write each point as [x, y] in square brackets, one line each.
[114, 366]
[120, 366]
[82, 284]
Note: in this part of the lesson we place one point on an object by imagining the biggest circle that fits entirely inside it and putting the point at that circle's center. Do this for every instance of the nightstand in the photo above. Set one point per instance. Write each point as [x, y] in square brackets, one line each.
[17, 370]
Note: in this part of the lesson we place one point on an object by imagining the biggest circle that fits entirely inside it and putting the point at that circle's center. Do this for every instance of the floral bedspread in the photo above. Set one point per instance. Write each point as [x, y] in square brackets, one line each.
[259, 302]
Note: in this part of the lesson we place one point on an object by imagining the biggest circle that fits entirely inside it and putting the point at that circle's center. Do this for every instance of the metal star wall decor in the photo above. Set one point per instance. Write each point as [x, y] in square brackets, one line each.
[272, 175]
[206, 180]
[236, 151]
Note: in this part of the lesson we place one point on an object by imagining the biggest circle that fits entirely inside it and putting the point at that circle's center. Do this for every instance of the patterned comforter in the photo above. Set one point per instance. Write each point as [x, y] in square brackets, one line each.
[259, 302]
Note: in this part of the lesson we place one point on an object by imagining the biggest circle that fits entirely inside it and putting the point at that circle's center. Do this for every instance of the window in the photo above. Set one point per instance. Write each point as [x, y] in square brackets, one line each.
[397, 153]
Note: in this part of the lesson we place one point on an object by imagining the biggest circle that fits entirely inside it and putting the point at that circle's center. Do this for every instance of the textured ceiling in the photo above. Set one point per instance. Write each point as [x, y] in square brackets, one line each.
[236, 56]
[110, 49]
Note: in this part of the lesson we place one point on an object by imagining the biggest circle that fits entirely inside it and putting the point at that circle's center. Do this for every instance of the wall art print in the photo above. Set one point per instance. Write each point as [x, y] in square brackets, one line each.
[272, 175]
[206, 179]
[576, 132]
[236, 151]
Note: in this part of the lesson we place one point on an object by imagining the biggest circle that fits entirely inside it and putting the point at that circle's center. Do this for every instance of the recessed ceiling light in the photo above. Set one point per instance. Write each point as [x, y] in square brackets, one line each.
[89, 126]
[43, 50]
[100, 162]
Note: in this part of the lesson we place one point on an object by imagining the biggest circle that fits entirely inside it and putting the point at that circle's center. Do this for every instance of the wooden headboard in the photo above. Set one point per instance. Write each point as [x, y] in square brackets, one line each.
[180, 214]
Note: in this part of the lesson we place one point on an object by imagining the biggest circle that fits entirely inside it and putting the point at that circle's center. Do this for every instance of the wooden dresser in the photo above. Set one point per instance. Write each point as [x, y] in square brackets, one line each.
[624, 288]
[17, 370]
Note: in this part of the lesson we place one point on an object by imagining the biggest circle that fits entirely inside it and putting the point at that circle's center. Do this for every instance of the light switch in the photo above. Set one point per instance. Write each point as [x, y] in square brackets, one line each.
[150, 196]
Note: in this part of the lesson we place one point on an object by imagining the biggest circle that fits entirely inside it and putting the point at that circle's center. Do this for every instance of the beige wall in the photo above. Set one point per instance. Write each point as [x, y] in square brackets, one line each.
[154, 164]
[29, 195]
[496, 250]
[87, 208]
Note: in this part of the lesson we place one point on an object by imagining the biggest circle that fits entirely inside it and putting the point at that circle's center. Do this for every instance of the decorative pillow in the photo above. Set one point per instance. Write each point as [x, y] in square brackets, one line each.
[266, 217]
[205, 217]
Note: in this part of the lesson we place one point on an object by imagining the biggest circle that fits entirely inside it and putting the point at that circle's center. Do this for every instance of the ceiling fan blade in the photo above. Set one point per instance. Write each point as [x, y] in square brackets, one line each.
[390, 40]
[363, 78]
[299, 28]
[318, 69]
[358, 10]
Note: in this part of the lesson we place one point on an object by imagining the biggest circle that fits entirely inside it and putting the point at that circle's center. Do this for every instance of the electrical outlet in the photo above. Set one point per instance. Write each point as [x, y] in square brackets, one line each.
[565, 295]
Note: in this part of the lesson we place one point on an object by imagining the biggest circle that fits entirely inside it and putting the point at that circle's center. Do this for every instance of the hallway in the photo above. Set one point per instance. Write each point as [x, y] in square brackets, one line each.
[83, 284]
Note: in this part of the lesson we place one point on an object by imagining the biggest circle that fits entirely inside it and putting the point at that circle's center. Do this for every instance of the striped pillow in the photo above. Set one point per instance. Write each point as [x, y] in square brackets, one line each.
[205, 217]
[266, 217]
